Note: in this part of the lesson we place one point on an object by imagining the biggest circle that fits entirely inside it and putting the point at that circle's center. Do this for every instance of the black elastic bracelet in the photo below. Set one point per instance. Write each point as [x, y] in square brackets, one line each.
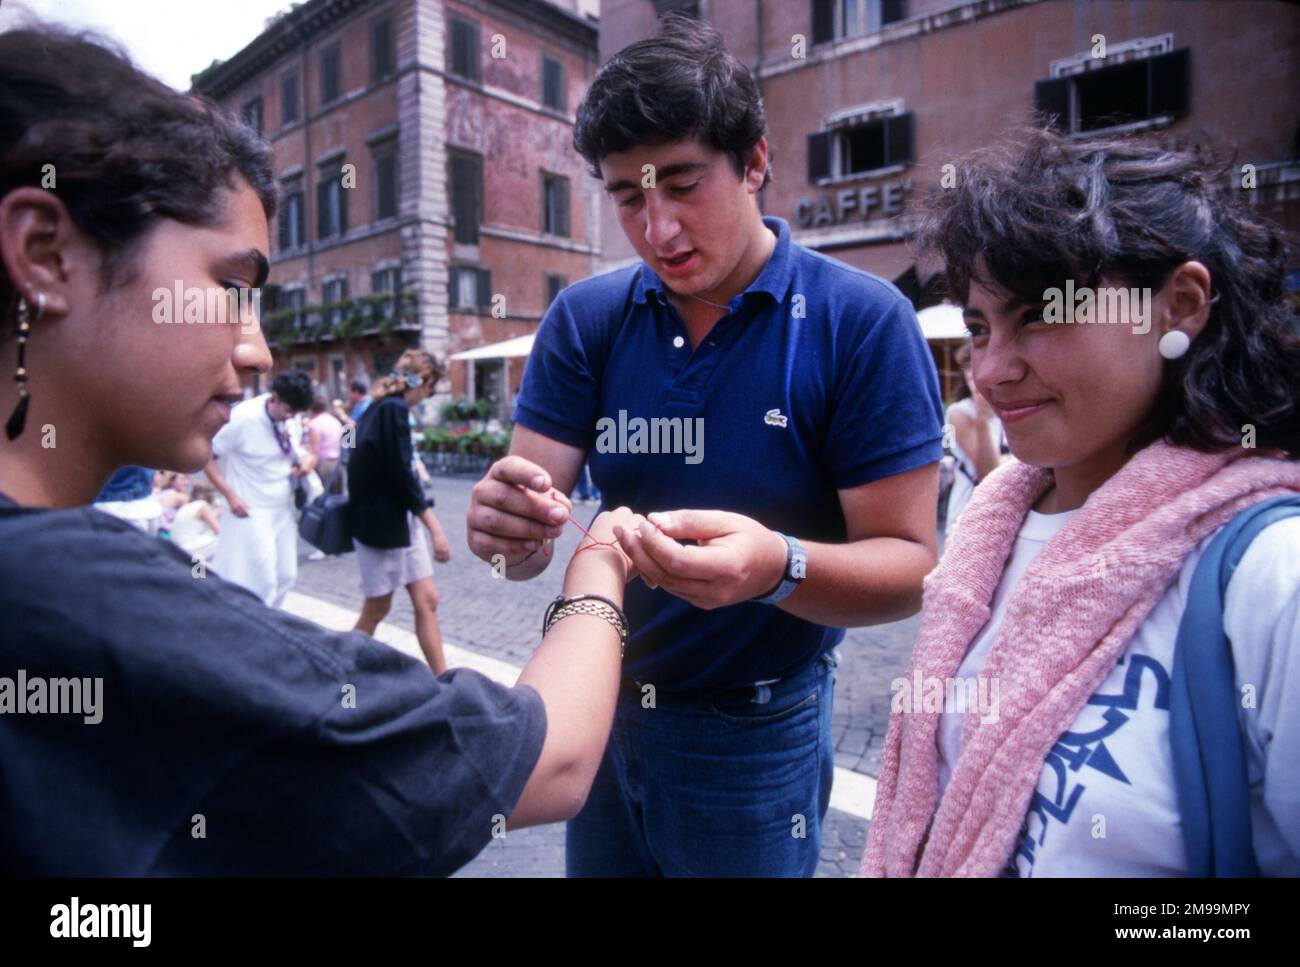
[561, 602]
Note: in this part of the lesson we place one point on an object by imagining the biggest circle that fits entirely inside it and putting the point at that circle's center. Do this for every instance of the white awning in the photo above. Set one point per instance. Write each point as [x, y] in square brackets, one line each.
[519, 346]
[942, 322]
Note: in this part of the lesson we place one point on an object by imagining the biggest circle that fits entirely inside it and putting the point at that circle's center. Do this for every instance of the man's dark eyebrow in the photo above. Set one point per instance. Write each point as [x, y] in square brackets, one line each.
[253, 260]
[667, 171]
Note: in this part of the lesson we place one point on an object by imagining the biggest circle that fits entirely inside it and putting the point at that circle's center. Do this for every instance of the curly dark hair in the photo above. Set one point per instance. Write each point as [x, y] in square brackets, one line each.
[127, 150]
[293, 386]
[682, 84]
[1038, 207]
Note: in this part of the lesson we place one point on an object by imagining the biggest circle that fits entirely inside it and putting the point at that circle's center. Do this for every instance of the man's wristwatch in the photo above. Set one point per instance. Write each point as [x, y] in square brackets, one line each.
[796, 568]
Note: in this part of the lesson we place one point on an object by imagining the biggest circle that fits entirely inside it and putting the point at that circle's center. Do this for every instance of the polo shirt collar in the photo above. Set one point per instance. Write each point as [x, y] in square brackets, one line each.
[775, 278]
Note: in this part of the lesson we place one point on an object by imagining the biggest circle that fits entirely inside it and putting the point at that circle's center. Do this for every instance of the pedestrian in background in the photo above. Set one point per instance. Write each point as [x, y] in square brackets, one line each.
[196, 527]
[254, 462]
[976, 440]
[129, 496]
[324, 439]
[391, 520]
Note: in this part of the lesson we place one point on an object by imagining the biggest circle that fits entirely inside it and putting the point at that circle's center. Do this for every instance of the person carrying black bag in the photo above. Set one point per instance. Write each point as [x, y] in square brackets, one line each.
[386, 506]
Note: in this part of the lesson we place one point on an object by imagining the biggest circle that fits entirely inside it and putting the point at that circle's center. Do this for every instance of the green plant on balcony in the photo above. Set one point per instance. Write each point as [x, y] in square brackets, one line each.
[278, 328]
[346, 319]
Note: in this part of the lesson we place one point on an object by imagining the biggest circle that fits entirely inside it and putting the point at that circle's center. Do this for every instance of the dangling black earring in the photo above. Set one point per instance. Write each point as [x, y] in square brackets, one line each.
[18, 419]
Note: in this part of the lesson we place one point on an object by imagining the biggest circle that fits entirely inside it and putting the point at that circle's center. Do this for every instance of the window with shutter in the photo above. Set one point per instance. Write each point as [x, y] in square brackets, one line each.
[331, 203]
[1135, 84]
[823, 21]
[385, 167]
[291, 214]
[555, 205]
[1170, 80]
[466, 287]
[464, 49]
[335, 290]
[849, 148]
[892, 10]
[837, 19]
[553, 83]
[289, 98]
[323, 210]
[819, 156]
[691, 8]
[381, 49]
[253, 114]
[554, 283]
[341, 194]
[295, 299]
[467, 197]
[898, 139]
[862, 148]
[330, 65]
[1052, 100]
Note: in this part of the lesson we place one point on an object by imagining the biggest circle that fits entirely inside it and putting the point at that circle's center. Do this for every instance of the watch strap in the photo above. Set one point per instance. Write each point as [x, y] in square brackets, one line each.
[796, 565]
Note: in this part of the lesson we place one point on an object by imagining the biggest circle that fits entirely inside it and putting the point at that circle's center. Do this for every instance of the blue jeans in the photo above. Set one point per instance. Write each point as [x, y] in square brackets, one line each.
[733, 784]
[585, 488]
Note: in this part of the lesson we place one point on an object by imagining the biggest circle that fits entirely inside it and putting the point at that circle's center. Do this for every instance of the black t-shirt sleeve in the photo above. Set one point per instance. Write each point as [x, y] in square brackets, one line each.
[231, 738]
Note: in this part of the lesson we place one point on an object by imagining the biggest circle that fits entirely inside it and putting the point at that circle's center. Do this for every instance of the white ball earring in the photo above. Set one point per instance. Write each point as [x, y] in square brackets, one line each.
[1174, 343]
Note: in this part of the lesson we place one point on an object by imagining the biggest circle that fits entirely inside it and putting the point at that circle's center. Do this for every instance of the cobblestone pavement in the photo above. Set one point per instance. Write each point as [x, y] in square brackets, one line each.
[502, 619]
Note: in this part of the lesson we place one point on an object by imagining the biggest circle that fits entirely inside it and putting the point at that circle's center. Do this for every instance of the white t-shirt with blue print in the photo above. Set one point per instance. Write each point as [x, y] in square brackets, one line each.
[1106, 803]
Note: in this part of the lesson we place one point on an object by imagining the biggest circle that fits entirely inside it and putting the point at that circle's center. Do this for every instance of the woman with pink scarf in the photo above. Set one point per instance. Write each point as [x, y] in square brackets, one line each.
[1130, 327]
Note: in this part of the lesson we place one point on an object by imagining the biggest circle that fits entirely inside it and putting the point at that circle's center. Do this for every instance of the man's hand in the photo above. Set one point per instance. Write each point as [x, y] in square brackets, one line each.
[736, 558]
[513, 510]
[237, 506]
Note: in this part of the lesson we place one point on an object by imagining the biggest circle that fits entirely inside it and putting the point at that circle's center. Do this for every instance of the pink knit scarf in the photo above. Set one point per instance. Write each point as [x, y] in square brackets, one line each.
[1065, 626]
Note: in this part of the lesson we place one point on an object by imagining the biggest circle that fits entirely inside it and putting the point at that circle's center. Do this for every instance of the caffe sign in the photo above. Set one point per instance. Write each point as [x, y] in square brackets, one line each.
[852, 204]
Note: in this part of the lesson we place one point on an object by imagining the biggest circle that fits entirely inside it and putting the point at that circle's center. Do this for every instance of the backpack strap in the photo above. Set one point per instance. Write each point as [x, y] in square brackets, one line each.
[1208, 750]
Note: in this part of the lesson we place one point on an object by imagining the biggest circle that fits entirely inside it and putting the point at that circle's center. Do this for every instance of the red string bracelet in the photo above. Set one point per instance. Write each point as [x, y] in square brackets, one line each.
[546, 551]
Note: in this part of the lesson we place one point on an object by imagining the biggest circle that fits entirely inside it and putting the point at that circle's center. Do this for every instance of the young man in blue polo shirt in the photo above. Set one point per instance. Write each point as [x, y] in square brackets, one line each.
[779, 410]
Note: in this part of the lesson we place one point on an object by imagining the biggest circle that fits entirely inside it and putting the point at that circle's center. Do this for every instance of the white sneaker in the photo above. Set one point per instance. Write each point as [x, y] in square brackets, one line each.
[316, 556]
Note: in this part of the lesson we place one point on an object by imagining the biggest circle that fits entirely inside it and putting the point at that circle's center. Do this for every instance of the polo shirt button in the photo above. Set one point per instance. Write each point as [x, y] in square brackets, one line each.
[679, 342]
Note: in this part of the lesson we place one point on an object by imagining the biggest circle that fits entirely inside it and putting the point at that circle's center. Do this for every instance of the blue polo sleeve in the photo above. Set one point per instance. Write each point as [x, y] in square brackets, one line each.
[888, 413]
[560, 391]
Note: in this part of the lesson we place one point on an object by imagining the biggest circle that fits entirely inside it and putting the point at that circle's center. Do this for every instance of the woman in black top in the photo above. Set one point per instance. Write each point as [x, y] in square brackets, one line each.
[386, 506]
[302, 750]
